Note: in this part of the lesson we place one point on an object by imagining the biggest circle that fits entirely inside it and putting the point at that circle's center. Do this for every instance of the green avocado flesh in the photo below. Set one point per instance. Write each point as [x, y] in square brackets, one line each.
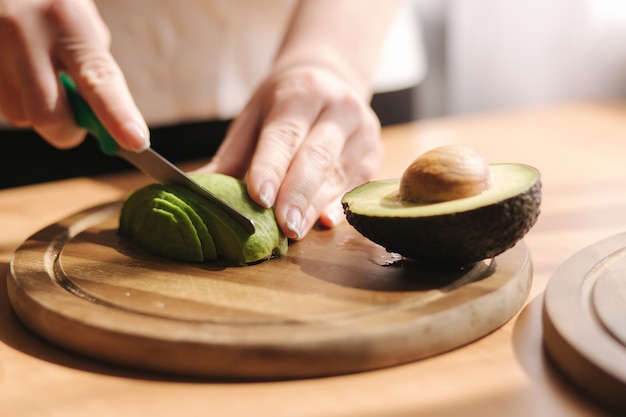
[456, 232]
[174, 222]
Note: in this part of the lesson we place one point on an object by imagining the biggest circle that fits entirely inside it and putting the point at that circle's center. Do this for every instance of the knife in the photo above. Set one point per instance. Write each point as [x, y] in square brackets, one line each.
[149, 161]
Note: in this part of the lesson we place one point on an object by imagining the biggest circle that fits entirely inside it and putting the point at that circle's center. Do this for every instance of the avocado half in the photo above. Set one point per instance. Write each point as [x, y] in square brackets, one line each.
[456, 232]
[175, 222]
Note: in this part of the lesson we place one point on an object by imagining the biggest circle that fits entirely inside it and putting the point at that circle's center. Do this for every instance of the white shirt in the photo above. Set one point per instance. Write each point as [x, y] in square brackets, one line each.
[201, 59]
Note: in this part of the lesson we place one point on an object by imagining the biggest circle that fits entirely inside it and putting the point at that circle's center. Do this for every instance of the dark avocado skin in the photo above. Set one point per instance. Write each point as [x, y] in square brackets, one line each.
[454, 239]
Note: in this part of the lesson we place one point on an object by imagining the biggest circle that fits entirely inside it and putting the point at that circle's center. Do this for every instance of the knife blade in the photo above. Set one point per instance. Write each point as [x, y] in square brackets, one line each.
[148, 161]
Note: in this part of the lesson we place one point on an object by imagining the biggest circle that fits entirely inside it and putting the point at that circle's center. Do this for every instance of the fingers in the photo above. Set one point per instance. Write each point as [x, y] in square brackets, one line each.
[11, 102]
[46, 37]
[361, 156]
[308, 153]
[29, 94]
[316, 164]
[294, 110]
[45, 107]
[85, 54]
[361, 162]
[304, 138]
[102, 85]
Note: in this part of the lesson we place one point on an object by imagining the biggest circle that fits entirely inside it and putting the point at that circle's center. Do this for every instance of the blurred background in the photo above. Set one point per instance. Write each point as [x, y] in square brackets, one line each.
[485, 55]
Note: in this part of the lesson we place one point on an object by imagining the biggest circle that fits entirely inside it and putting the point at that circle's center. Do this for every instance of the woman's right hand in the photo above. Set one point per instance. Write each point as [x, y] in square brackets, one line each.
[40, 39]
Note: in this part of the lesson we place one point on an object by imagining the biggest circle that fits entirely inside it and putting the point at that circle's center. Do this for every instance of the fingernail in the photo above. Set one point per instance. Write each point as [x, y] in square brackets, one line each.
[136, 137]
[294, 221]
[267, 194]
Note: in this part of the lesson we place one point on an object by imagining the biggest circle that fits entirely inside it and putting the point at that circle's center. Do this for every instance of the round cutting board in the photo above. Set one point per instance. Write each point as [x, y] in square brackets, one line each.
[336, 303]
[584, 320]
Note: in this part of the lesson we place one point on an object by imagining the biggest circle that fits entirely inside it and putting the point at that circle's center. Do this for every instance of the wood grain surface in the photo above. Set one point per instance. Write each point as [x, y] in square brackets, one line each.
[336, 303]
[579, 149]
[584, 320]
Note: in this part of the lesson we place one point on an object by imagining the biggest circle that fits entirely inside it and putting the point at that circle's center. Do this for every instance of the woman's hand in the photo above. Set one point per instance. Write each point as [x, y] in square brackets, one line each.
[305, 137]
[40, 39]
[308, 134]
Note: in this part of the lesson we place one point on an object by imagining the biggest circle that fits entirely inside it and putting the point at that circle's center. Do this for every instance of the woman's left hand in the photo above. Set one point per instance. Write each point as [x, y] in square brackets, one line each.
[305, 137]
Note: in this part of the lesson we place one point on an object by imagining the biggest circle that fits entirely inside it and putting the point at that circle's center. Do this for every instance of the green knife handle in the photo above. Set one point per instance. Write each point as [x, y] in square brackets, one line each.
[86, 118]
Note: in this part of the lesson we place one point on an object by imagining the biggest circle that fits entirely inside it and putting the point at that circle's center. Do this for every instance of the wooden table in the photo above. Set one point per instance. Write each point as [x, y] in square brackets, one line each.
[578, 147]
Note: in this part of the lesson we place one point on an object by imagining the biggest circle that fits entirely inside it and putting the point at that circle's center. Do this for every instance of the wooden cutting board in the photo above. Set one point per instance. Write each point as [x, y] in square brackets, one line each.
[584, 320]
[336, 303]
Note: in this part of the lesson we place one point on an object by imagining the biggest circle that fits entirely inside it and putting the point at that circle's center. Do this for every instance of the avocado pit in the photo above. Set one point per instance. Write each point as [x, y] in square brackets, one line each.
[451, 228]
[445, 173]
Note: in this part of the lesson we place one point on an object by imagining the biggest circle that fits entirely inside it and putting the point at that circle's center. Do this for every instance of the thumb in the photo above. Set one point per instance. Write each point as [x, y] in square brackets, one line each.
[102, 85]
[84, 53]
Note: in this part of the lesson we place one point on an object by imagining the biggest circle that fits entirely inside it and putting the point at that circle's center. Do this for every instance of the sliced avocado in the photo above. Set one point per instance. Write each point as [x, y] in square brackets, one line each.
[181, 232]
[455, 232]
[192, 224]
[268, 240]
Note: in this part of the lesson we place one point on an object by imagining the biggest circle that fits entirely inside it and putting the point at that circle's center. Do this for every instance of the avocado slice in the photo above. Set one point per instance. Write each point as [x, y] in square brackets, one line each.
[181, 233]
[174, 222]
[456, 232]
